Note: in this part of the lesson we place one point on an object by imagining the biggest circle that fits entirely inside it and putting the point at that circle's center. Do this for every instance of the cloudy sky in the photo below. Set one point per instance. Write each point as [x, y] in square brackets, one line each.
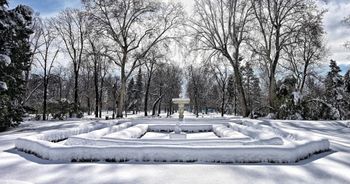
[336, 36]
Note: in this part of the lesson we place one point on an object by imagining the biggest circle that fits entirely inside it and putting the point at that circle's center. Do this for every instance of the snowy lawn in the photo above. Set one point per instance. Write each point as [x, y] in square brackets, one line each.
[329, 167]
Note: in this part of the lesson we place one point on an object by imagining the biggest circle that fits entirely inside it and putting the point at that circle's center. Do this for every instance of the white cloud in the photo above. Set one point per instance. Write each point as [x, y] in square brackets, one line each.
[337, 32]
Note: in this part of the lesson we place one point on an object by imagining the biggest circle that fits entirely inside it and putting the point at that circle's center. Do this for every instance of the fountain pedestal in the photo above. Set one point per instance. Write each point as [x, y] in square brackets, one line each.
[177, 134]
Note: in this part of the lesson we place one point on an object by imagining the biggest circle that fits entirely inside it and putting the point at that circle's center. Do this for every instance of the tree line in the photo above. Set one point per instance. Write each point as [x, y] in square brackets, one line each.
[256, 58]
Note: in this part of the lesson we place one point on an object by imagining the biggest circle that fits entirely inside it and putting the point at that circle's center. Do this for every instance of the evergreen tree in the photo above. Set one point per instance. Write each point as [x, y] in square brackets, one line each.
[347, 94]
[251, 87]
[231, 94]
[334, 91]
[14, 61]
[347, 81]
[138, 90]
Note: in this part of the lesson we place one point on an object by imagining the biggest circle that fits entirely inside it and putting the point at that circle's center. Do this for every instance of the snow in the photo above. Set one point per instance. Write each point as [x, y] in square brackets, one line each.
[267, 146]
[203, 135]
[330, 167]
[5, 59]
[56, 135]
[223, 131]
[3, 86]
[297, 97]
[132, 132]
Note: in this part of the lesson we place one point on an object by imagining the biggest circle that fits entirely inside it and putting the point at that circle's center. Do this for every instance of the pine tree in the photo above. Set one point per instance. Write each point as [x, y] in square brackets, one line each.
[231, 94]
[14, 61]
[251, 87]
[139, 90]
[334, 90]
[347, 81]
[347, 94]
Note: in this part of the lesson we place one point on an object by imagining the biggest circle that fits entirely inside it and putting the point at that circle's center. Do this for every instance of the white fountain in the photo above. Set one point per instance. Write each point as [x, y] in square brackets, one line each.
[181, 102]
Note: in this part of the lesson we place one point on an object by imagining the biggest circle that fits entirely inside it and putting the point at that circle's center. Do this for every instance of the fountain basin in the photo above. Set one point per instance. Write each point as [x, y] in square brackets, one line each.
[181, 100]
[180, 135]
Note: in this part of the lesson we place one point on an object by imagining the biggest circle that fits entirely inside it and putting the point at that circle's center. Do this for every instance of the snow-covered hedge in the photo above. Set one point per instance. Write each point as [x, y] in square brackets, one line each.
[224, 131]
[252, 132]
[267, 147]
[181, 142]
[185, 128]
[131, 132]
[105, 131]
[96, 134]
[57, 135]
[173, 153]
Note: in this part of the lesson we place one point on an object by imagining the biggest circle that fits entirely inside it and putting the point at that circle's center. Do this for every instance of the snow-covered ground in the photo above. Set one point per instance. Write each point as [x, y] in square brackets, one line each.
[330, 167]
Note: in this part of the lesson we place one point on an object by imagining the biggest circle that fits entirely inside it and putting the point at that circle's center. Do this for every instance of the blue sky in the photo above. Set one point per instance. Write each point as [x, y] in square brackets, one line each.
[47, 8]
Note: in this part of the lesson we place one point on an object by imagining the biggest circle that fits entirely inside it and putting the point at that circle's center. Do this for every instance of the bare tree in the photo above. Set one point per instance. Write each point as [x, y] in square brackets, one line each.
[134, 27]
[278, 21]
[34, 44]
[221, 75]
[221, 26]
[46, 57]
[308, 48]
[72, 27]
[152, 62]
[96, 51]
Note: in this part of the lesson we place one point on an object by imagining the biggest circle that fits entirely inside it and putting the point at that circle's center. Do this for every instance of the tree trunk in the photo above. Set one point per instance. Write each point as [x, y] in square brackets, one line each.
[97, 96]
[196, 106]
[100, 100]
[304, 76]
[235, 104]
[76, 95]
[89, 105]
[223, 101]
[122, 92]
[146, 95]
[45, 97]
[238, 77]
[121, 97]
[155, 105]
[272, 78]
[272, 90]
